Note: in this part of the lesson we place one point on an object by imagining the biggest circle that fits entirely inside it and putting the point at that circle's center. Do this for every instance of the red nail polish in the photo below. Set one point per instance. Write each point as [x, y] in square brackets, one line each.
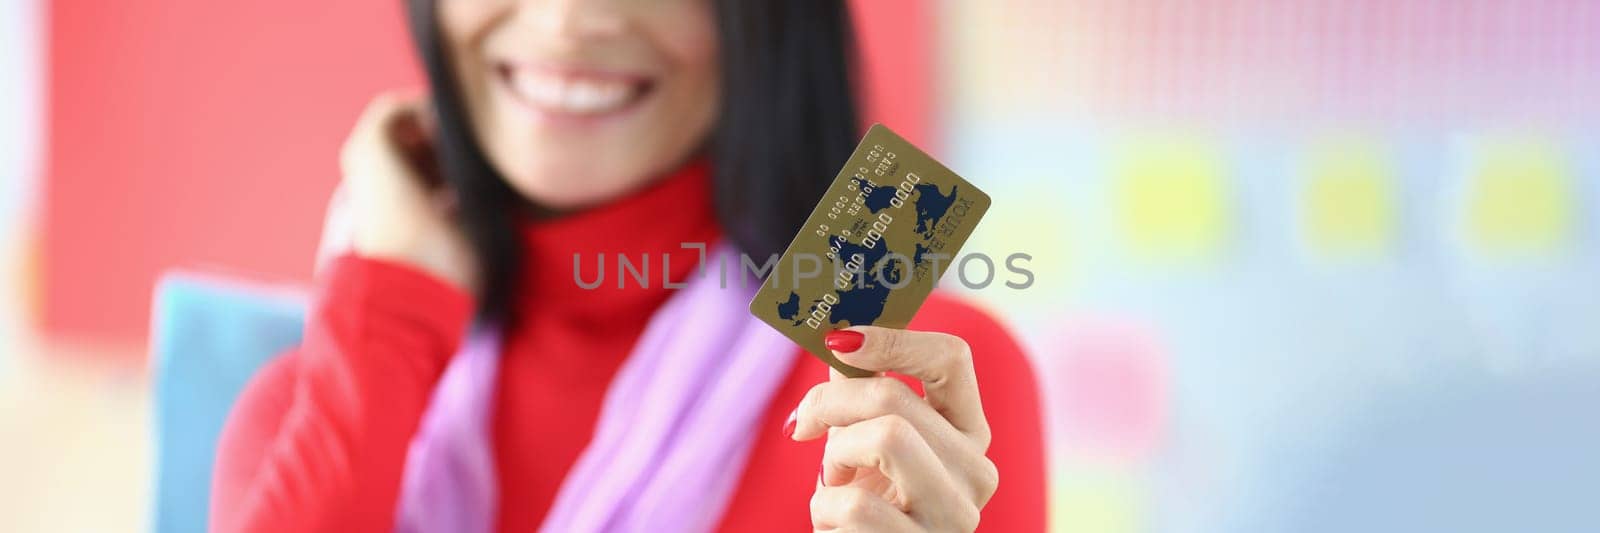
[788, 425]
[844, 341]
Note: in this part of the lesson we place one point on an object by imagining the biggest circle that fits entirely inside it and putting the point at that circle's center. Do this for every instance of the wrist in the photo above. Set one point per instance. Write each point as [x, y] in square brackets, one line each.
[437, 258]
[431, 263]
[383, 292]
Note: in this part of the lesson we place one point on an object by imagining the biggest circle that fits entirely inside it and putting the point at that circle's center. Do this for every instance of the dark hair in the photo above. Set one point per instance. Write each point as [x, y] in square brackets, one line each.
[787, 121]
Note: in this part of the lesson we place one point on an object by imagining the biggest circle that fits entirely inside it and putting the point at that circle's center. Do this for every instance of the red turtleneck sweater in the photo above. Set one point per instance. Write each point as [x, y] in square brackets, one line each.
[317, 441]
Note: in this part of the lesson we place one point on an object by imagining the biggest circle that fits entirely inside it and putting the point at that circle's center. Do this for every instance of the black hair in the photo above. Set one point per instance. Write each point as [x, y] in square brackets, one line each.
[786, 122]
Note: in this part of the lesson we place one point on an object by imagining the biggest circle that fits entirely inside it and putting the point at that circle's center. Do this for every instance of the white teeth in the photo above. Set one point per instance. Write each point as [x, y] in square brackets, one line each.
[567, 95]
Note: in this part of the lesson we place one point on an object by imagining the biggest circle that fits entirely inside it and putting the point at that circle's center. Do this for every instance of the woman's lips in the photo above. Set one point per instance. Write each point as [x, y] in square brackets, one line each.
[574, 93]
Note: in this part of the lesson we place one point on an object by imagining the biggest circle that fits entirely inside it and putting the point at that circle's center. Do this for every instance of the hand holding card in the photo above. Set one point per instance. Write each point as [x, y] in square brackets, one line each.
[873, 249]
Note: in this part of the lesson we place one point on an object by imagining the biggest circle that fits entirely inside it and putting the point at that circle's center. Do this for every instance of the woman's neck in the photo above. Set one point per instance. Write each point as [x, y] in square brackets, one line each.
[652, 230]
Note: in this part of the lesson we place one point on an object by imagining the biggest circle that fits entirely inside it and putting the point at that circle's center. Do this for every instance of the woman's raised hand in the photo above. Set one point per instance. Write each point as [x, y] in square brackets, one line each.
[896, 461]
[391, 203]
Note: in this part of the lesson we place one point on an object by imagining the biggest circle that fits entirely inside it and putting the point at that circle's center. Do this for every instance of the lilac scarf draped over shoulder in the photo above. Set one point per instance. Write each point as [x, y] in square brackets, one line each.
[675, 428]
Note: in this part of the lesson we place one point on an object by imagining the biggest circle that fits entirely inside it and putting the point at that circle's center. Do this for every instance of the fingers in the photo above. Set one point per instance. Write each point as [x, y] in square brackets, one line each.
[411, 133]
[855, 509]
[391, 131]
[387, 105]
[373, 126]
[847, 401]
[890, 445]
[891, 454]
[390, 179]
[942, 362]
[917, 482]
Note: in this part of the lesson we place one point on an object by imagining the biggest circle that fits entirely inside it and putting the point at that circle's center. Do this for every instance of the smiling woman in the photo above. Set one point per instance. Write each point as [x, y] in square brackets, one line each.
[581, 128]
[571, 105]
[674, 70]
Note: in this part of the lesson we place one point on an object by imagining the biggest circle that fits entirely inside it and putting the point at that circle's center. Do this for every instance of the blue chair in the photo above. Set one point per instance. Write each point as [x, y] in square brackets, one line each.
[209, 335]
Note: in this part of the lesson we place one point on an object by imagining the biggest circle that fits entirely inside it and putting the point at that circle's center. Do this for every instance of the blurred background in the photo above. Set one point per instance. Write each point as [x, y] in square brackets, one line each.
[1301, 265]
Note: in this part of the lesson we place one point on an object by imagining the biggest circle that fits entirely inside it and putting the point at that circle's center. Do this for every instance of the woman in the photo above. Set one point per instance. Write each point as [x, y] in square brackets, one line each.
[557, 130]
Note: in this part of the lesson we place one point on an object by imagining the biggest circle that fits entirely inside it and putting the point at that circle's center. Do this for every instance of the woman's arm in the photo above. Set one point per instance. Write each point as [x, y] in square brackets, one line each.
[317, 442]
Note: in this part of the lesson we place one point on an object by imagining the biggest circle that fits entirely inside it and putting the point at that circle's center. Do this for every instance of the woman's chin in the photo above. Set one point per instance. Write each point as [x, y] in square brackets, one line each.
[561, 188]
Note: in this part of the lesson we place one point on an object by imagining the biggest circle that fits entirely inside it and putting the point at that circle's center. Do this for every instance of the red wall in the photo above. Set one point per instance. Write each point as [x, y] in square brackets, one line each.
[198, 133]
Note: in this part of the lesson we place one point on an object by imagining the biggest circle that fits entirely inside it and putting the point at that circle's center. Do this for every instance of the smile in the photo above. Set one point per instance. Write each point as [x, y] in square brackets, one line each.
[574, 93]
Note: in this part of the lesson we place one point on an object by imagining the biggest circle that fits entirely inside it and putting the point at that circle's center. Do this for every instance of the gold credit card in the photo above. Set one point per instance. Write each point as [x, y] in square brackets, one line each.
[890, 225]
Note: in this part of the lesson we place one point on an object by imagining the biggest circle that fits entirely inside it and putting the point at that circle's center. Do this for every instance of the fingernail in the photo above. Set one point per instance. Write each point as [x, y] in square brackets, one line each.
[788, 425]
[844, 340]
[820, 481]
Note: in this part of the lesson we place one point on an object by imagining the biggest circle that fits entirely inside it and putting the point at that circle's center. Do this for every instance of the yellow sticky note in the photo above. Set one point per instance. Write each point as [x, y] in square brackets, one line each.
[1348, 205]
[1171, 199]
[1519, 198]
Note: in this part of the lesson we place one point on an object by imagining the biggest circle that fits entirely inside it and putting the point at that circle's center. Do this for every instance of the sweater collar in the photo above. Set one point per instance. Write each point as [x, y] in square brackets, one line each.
[647, 227]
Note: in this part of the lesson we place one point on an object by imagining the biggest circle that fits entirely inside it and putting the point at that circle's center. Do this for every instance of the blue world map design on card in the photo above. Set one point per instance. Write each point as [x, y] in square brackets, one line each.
[862, 303]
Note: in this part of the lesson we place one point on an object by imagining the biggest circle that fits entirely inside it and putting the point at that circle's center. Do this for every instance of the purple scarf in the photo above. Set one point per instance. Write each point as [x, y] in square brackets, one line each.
[673, 436]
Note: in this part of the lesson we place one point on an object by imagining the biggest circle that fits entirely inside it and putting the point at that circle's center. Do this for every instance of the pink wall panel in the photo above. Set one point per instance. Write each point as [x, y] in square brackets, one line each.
[196, 132]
